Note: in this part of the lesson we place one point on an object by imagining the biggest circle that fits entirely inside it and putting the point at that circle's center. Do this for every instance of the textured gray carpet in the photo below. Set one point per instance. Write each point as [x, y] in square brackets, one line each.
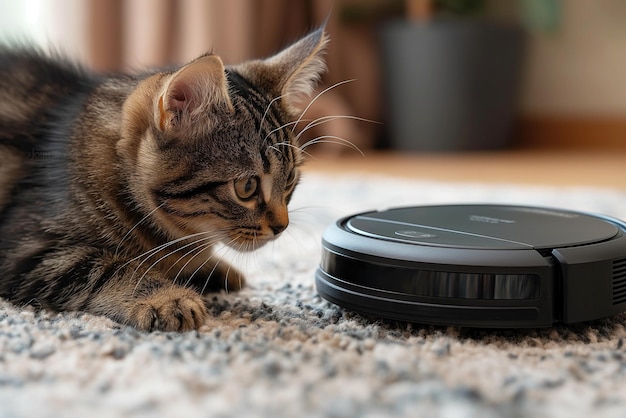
[277, 349]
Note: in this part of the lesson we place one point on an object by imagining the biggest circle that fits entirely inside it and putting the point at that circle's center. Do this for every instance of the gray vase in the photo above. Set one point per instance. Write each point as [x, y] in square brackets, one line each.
[451, 85]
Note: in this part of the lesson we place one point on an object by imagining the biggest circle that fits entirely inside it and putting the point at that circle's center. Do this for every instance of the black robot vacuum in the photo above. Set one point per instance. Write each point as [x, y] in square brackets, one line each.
[489, 266]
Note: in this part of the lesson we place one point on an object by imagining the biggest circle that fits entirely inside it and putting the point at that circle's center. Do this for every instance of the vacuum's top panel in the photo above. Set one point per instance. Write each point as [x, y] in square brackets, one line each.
[483, 227]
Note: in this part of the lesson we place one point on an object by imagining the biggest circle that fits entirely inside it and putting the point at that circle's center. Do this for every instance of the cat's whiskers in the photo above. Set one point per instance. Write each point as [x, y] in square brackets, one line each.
[226, 278]
[182, 269]
[310, 226]
[330, 118]
[283, 126]
[311, 234]
[316, 122]
[214, 255]
[311, 220]
[161, 247]
[331, 139]
[197, 249]
[245, 254]
[316, 216]
[312, 123]
[148, 254]
[117, 249]
[200, 250]
[206, 242]
[325, 138]
[206, 282]
[267, 109]
[244, 247]
[320, 94]
[306, 209]
[287, 144]
[270, 133]
[326, 119]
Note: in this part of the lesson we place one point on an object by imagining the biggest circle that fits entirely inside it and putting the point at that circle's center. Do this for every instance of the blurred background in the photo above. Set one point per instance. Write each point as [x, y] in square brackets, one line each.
[439, 76]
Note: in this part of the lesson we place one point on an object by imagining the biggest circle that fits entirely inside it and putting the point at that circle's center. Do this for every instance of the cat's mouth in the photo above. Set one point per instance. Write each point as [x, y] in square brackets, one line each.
[250, 240]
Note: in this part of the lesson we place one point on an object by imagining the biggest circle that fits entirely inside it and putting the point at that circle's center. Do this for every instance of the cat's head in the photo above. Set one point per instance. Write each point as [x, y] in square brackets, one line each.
[213, 150]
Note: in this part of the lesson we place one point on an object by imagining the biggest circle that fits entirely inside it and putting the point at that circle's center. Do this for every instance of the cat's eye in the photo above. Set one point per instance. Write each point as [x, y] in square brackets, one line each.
[246, 188]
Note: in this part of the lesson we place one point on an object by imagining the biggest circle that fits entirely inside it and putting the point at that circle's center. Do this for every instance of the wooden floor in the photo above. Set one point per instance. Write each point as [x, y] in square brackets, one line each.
[572, 168]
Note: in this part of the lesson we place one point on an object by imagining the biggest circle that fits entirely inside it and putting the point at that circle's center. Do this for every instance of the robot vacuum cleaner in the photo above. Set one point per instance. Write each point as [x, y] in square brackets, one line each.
[488, 266]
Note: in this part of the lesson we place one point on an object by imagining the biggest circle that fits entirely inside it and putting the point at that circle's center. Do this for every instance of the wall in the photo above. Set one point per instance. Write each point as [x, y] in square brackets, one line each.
[574, 94]
[580, 69]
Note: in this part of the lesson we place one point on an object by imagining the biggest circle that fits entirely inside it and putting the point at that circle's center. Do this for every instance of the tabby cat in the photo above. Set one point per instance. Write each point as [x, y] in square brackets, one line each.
[114, 190]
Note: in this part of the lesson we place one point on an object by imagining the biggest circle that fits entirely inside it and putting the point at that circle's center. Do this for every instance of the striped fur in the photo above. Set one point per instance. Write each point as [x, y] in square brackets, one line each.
[115, 189]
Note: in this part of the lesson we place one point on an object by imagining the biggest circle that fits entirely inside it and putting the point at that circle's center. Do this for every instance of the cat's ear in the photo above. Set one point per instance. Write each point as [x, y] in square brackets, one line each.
[299, 68]
[293, 73]
[192, 94]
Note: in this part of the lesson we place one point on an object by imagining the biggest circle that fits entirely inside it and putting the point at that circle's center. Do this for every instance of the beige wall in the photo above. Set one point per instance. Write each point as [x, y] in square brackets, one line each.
[580, 70]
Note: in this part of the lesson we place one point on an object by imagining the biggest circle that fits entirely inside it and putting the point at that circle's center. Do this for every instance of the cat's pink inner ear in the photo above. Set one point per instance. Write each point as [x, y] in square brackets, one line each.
[197, 89]
[177, 99]
[176, 102]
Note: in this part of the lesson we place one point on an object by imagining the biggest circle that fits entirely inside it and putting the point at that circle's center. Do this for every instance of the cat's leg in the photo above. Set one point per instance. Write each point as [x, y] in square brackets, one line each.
[88, 279]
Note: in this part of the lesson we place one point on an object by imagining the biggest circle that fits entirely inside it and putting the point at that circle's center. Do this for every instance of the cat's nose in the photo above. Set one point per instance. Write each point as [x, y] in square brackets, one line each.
[278, 228]
[278, 219]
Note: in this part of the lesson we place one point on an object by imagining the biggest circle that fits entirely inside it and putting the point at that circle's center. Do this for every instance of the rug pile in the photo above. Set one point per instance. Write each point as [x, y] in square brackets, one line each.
[276, 349]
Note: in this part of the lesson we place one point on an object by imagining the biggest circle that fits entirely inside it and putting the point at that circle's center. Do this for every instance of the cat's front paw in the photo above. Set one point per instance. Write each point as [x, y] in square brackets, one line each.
[169, 309]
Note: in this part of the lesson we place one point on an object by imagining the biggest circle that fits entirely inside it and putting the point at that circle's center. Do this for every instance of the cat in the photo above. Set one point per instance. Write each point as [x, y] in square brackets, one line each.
[115, 189]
